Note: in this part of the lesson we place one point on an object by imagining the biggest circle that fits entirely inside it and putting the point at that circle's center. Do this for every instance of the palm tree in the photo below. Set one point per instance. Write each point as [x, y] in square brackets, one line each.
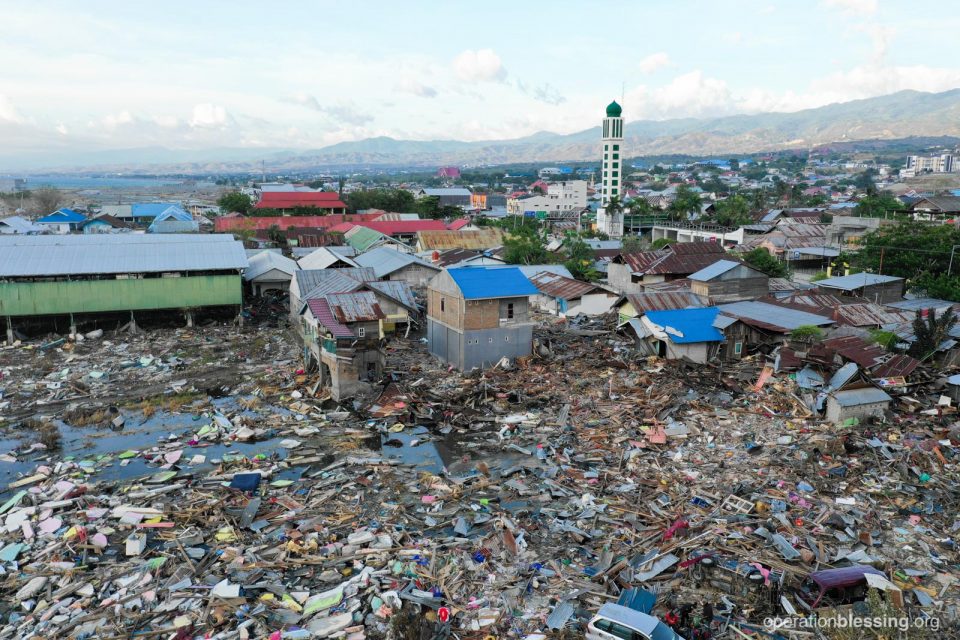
[640, 206]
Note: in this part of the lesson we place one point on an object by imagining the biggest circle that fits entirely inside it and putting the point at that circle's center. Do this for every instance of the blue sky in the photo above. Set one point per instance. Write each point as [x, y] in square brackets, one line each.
[100, 74]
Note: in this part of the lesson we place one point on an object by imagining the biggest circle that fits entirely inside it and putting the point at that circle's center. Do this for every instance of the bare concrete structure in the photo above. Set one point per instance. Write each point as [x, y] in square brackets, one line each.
[476, 316]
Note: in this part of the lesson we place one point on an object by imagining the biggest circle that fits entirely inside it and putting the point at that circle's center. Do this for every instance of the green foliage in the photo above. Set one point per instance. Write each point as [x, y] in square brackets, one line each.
[818, 276]
[641, 207]
[686, 202]
[525, 249]
[881, 205]
[660, 243]
[579, 257]
[631, 244]
[732, 212]
[235, 201]
[275, 235]
[930, 332]
[807, 332]
[761, 260]
[393, 200]
[886, 339]
[916, 251]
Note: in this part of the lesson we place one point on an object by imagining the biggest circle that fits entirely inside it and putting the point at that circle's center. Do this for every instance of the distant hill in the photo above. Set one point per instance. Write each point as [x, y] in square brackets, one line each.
[906, 114]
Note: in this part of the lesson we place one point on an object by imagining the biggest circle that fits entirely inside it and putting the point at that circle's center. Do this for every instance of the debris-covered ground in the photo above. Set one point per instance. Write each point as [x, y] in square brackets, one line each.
[194, 483]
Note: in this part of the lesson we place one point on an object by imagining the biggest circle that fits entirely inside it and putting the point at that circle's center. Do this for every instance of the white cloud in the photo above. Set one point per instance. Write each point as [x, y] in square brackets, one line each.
[483, 65]
[413, 87]
[857, 7]
[734, 37]
[343, 112]
[62, 129]
[654, 61]
[880, 36]
[114, 120]
[209, 116]
[8, 112]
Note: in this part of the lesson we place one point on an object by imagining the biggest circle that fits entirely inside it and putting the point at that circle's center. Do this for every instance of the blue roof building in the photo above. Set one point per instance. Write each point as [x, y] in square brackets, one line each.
[479, 283]
[477, 316]
[682, 334]
[147, 211]
[63, 220]
[173, 220]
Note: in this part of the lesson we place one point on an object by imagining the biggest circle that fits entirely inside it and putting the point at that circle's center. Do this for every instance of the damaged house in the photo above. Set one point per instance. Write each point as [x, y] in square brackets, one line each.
[632, 272]
[477, 316]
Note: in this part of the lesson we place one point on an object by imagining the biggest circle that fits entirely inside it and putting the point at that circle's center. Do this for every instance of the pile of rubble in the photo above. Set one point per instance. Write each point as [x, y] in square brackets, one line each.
[514, 502]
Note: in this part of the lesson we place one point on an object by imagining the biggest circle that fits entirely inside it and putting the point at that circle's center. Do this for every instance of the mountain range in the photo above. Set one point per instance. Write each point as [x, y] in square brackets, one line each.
[895, 116]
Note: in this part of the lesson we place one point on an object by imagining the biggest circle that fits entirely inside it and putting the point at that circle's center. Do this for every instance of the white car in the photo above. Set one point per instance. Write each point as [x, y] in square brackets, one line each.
[615, 622]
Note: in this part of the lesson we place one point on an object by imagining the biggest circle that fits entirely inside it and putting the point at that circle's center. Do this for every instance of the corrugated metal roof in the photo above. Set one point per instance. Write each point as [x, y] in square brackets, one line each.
[267, 261]
[384, 261]
[560, 287]
[28, 256]
[323, 258]
[855, 281]
[150, 209]
[362, 238]
[531, 270]
[684, 326]
[440, 240]
[397, 290]
[479, 283]
[61, 216]
[453, 191]
[321, 282]
[718, 268]
[664, 301]
[857, 350]
[773, 316]
[361, 306]
[922, 304]
[324, 315]
[21, 225]
[899, 365]
[857, 397]
[290, 199]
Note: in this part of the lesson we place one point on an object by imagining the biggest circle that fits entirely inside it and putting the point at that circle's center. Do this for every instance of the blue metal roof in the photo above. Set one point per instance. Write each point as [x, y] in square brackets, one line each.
[855, 281]
[63, 215]
[150, 209]
[478, 283]
[718, 268]
[688, 325]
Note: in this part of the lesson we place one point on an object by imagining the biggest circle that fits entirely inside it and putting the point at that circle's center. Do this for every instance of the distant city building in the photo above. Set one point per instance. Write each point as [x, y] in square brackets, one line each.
[448, 172]
[566, 196]
[943, 163]
[611, 222]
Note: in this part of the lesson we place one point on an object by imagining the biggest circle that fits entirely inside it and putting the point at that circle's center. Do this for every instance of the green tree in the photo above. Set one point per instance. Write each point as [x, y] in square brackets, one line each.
[930, 332]
[525, 249]
[631, 244]
[276, 235]
[235, 201]
[916, 251]
[579, 257]
[881, 205]
[686, 202]
[761, 260]
[640, 206]
[428, 206]
[660, 243]
[734, 164]
[807, 332]
[47, 199]
[732, 212]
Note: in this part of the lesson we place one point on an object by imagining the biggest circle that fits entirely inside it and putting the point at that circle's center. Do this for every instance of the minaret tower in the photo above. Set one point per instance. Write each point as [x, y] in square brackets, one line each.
[611, 180]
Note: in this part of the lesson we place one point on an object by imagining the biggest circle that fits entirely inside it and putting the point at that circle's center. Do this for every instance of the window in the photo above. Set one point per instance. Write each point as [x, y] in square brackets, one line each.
[506, 338]
[490, 340]
[510, 311]
[616, 156]
[616, 147]
[614, 183]
[606, 147]
[361, 332]
[442, 304]
[616, 165]
[738, 348]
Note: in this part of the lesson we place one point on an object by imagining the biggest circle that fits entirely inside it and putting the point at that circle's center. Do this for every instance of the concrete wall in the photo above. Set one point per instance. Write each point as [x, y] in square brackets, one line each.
[479, 348]
[696, 351]
[94, 296]
[414, 275]
[620, 277]
[836, 413]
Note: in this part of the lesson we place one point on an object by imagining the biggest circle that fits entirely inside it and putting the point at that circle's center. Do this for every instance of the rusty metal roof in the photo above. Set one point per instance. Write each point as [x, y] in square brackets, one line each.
[440, 240]
[856, 349]
[361, 306]
[899, 365]
[854, 312]
[557, 286]
[321, 311]
[664, 301]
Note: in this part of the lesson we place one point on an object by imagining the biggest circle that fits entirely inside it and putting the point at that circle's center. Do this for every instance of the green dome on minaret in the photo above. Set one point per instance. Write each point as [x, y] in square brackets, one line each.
[614, 110]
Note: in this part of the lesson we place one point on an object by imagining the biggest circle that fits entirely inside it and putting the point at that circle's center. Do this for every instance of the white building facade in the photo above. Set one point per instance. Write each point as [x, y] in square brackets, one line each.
[610, 222]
